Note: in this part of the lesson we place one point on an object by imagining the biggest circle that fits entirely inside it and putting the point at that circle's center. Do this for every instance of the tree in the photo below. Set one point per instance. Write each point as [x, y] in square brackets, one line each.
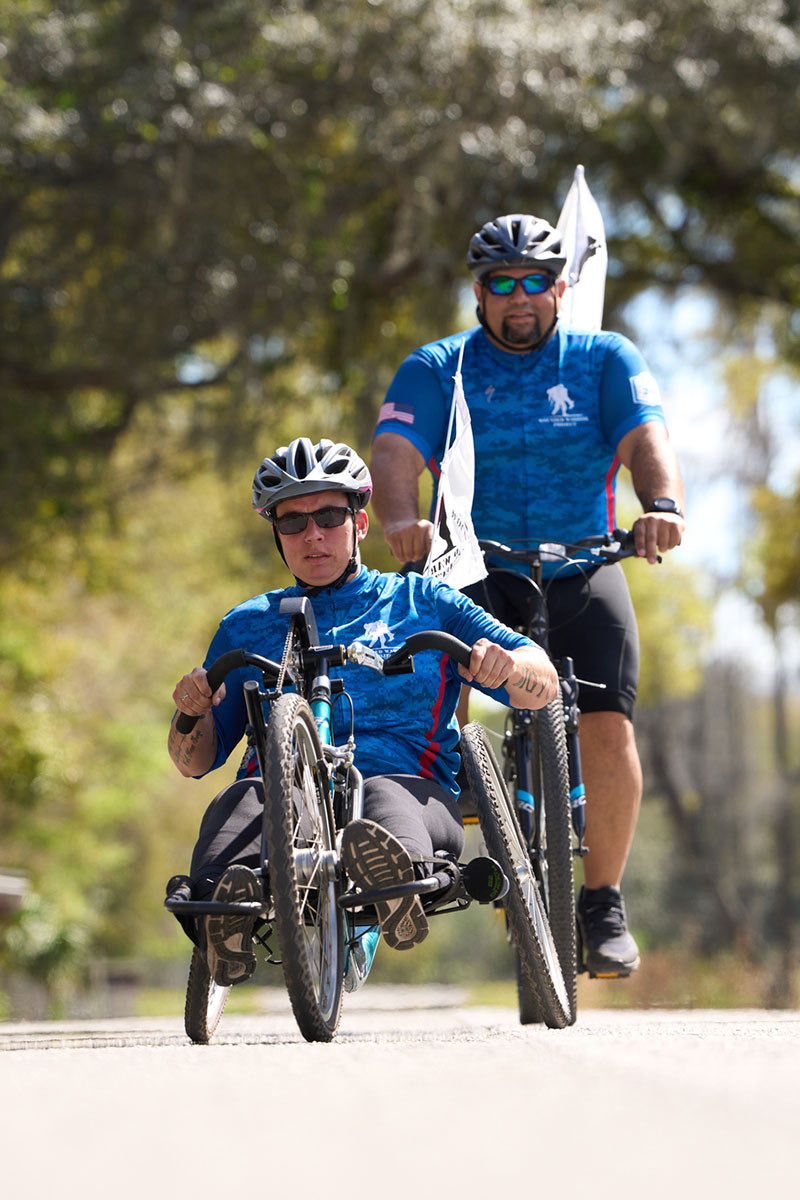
[250, 201]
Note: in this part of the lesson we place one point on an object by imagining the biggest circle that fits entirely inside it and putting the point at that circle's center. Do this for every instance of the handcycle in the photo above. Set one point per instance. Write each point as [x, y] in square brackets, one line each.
[541, 762]
[311, 790]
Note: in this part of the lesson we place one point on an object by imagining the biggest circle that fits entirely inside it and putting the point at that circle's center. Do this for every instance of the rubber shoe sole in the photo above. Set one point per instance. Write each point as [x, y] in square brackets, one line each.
[229, 938]
[373, 858]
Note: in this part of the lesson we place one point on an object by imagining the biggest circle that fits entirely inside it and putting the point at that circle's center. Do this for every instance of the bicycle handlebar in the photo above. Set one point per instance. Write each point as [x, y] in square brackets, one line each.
[429, 639]
[612, 546]
[396, 663]
[231, 660]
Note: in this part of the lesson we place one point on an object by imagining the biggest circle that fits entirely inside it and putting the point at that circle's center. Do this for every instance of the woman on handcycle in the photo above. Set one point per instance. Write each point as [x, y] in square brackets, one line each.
[315, 497]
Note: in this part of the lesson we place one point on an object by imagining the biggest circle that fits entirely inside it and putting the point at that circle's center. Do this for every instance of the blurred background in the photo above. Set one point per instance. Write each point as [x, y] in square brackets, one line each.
[224, 224]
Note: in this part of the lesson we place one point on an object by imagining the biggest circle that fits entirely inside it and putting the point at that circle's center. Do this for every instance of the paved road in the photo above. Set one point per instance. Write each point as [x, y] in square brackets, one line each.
[439, 1101]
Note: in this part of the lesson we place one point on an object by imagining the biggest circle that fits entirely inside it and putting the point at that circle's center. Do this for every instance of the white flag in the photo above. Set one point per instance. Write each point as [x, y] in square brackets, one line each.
[455, 556]
[583, 237]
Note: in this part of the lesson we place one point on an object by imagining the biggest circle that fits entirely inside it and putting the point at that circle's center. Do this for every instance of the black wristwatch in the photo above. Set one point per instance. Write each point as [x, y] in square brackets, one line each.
[664, 504]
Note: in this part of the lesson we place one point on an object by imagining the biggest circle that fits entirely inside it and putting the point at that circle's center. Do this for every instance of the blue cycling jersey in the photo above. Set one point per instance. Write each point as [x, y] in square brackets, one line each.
[546, 426]
[404, 724]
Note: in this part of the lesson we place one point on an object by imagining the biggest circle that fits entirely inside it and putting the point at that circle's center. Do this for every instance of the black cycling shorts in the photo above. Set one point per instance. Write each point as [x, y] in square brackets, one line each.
[591, 621]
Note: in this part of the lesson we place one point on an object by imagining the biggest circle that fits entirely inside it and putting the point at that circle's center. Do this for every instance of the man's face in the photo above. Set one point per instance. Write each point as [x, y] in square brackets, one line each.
[518, 318]
[318, 556]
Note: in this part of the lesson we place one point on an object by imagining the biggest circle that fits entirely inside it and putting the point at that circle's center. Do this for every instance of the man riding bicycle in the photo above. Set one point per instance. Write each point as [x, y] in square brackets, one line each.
[315, 497]
[554, 412]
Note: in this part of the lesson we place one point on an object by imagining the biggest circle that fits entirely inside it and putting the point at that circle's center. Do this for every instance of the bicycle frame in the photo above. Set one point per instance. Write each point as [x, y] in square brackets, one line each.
[517, 742]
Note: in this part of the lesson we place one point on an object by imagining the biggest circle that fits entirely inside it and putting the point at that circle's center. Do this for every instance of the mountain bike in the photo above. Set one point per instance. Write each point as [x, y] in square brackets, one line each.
[311, 790]
[541, 762]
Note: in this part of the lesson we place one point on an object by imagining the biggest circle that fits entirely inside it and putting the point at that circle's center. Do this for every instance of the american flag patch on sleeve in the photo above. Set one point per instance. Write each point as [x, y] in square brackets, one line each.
[391, 411]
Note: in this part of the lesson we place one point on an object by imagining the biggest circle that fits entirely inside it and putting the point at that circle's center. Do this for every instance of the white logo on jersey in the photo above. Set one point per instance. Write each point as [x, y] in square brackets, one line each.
[561, 406]
[560, 402]
[377, 631]
[490, 391]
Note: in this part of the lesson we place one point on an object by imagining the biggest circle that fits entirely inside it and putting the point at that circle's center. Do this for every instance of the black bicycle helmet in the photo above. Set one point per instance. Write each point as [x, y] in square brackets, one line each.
[516, 240]
[302, 468]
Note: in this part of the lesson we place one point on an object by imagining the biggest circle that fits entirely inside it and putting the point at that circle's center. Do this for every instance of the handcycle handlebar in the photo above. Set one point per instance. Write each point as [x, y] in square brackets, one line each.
[217, 672]
[429, 639]
[399, 662]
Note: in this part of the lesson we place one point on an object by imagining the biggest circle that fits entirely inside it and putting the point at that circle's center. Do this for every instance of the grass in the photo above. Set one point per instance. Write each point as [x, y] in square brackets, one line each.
[169, 1002]
[666, 979]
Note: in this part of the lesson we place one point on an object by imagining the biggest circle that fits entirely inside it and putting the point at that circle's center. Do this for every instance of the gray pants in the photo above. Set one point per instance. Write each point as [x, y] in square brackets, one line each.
[419, 812]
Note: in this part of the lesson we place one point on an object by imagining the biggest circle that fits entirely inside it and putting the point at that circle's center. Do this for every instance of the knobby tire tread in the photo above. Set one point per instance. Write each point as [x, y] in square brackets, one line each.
[504, 841]
[205, 1001]
[551, 742]
[316, 1023]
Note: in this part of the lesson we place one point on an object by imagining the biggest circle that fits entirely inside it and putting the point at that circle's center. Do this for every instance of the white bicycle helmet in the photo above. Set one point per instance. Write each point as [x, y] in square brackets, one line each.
[302, 468]
[516, 240]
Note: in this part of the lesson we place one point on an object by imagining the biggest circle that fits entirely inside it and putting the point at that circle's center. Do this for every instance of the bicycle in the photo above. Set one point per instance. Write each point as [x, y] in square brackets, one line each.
[311, 790]
[541, 763]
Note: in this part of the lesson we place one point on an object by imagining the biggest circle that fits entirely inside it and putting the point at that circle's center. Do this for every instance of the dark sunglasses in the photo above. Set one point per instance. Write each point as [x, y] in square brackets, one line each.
[532, 285]
[328, 517]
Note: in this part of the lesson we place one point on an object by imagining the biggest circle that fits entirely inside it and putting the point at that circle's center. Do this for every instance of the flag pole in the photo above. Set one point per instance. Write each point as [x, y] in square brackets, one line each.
[438, 510]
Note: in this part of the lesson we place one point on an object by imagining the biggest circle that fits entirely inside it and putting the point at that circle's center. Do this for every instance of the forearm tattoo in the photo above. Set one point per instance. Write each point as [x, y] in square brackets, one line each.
[185, 747]
[528, 682]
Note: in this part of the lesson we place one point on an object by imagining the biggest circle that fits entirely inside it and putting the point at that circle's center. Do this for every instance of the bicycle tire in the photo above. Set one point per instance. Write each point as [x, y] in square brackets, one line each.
[300, 840]
[525, 912]
[205, 1001]
[555, 869]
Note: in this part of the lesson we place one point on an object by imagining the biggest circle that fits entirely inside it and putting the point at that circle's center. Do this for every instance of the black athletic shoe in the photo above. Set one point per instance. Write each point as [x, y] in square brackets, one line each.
[374, 858]
[609, 951]
[229, 938]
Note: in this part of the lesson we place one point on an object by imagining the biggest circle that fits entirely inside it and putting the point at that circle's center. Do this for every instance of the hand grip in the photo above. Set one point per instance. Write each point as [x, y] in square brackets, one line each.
[216, 674]
[431, 640]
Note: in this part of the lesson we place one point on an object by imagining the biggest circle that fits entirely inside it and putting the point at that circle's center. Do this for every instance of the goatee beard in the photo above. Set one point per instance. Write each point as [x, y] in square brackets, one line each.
[515, 336]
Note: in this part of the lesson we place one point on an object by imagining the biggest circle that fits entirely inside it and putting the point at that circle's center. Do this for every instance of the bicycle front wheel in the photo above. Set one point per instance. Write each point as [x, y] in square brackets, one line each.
[301, 851]
[205, 1001]
[552, 853]
[527, 919]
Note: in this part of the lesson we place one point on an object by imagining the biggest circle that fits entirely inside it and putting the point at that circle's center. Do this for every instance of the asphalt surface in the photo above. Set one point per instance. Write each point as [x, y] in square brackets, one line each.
[416, 1097]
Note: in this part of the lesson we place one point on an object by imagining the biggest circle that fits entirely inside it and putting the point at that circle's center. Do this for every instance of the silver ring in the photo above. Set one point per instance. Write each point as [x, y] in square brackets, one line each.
[185, 696]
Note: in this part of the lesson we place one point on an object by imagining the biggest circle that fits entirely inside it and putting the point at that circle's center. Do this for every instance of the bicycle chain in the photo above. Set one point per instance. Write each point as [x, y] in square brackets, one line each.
[284, 661]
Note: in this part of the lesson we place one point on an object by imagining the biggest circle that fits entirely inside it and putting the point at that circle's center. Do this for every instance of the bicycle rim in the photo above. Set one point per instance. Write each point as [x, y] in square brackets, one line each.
[302, 869]
[527, 919]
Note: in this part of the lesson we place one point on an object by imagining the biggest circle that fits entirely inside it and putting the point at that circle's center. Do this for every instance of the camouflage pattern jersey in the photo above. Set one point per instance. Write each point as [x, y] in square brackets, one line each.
[404, 724]
[546, 426]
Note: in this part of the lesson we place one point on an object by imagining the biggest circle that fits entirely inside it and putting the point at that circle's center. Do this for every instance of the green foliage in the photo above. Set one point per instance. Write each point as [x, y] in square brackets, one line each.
[219, 195]
[673, 616]
[778, 553]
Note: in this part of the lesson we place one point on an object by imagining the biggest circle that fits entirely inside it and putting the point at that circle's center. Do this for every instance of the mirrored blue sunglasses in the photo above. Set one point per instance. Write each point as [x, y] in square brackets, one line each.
[532, 285]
